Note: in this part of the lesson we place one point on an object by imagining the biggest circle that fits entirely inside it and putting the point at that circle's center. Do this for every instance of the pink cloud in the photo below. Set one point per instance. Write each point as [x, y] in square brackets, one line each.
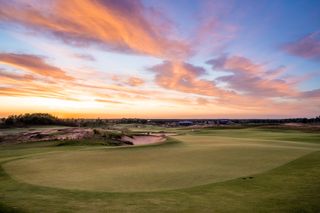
[252, 78]
[184, 77]
[33, 64]
[306, 47]
[311, 94]
[15, 77]
[135, 81]
[83, 56]
[35, 90]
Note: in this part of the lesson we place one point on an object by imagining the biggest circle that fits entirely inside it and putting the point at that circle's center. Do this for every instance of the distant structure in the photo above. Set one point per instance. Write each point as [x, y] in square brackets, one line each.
[225, 122]
[185, 123]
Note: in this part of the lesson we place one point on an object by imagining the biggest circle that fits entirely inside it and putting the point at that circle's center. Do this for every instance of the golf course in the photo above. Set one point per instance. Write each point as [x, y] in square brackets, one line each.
[202, 170]
[159, 106]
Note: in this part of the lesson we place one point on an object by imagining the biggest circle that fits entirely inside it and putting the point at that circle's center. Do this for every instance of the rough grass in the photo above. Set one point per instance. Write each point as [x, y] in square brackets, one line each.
[89, 142]
[292, 187]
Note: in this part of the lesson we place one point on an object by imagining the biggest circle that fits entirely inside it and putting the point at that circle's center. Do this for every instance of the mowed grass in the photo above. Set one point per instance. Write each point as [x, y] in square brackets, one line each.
[261, 133]
[201, 173]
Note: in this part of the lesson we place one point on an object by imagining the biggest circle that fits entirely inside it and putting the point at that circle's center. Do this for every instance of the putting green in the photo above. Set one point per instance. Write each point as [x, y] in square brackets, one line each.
[197, 160]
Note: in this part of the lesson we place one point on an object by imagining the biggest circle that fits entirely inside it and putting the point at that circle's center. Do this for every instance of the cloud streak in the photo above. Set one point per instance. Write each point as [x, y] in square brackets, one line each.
[123, 26]
[15, 77]
[306, 47]
[184, 77]
[33, 64]
[135, 81]
[252, 78]
[108, 101]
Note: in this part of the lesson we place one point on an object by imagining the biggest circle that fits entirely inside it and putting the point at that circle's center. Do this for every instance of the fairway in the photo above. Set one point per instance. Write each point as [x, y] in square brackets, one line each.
[197, 159]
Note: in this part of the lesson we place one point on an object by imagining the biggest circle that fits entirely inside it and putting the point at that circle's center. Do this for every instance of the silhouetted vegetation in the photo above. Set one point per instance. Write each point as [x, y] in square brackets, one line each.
[30, 119]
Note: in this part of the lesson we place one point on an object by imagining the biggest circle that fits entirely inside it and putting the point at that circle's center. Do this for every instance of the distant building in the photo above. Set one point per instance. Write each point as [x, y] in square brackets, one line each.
[225, 122]
[185, 123]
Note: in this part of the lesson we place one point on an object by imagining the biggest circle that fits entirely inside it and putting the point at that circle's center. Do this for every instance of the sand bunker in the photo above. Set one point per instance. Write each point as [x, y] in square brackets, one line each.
[143, 139]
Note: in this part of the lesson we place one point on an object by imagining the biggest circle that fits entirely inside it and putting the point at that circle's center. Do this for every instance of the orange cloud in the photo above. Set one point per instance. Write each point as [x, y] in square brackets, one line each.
[134, 81]
[128, 81]
[33, 64]
[108, 101]
[35, 91]
[29, 85]
[184, 77]
[112, 88]
[124, 26]
[9, 76]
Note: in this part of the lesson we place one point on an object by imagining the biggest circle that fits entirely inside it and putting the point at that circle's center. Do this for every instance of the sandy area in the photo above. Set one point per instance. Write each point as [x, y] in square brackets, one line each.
[48, 134]
[141, 140]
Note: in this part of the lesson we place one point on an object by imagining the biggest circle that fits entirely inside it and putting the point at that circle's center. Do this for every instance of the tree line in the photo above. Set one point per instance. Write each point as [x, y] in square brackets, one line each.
[30, 119]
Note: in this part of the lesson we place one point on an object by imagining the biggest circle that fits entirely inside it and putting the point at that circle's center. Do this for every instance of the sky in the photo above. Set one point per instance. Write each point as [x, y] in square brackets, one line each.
[160, 58]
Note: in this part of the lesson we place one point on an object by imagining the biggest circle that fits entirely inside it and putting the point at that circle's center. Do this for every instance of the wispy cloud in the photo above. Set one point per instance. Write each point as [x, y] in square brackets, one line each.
[135, 81]
[253, 78]
[311, 94]
[124, 26]
[184, 77]
[33, 64]
[109, 101]
[14, 76]
[83, 56]
[307, 47]
[36, 91]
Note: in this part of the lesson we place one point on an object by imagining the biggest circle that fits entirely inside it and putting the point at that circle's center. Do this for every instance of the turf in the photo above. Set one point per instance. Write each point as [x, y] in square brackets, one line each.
[261, 133]
[26, 129]
[204, 172]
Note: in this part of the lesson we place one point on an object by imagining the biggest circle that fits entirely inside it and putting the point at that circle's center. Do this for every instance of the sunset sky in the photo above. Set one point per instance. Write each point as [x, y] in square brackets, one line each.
[160, 58]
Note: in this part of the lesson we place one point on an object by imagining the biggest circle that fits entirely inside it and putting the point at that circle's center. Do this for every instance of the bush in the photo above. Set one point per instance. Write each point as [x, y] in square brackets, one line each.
[96, 132]
[32, 119]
